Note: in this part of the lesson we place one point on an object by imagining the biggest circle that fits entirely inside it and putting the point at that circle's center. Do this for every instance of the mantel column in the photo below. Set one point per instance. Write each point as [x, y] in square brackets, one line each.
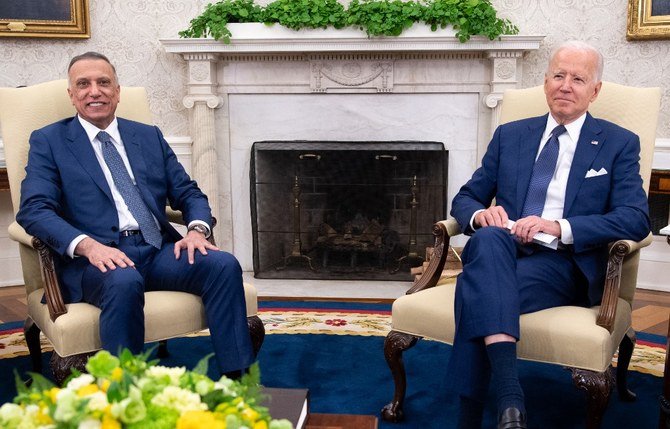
[202, 100]
[505, 74]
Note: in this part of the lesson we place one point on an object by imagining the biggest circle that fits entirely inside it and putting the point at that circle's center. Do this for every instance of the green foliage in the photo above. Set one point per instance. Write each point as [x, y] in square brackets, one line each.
[376, 17]
[468, 17]
[214, 19]
[297, 14]
[384, 17]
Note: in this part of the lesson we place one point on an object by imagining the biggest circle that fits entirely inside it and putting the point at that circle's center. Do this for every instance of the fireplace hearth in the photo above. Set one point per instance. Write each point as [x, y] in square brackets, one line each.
[344, 210]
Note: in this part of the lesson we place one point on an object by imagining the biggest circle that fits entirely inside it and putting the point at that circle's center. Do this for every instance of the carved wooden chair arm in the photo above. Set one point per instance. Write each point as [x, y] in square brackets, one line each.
[52, 292]
[619, 250]
[442, 231]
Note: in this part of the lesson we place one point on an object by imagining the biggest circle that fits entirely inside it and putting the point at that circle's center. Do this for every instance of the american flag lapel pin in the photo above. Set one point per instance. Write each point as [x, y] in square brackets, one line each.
[594, 142]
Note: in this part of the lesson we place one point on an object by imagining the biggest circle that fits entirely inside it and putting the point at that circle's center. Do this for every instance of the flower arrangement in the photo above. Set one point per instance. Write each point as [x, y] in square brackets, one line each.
[132, 392]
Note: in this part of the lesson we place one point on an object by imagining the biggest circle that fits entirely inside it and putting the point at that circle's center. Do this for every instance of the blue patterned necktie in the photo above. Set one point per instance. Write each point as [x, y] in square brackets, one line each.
[129, 192]
[543, 171]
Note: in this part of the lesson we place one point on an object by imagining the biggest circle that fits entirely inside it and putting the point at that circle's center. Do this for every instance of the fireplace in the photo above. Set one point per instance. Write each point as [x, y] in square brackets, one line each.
[344, 210]
[272, 84]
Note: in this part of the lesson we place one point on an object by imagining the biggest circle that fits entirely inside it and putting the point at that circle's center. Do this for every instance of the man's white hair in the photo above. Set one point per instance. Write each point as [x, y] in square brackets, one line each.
[580, 46]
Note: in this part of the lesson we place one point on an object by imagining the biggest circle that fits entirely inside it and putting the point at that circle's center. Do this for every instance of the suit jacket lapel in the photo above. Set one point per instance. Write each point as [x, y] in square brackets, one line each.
[136, 158]
[585, 153]
[529, 142]
[81, 149]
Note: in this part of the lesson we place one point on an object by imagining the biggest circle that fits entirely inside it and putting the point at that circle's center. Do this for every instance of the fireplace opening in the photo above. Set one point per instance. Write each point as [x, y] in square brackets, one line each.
[344, 210]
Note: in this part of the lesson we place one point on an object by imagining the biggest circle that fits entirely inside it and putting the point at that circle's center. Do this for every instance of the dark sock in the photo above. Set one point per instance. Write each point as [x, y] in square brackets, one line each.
[470, 413]
[505, 376]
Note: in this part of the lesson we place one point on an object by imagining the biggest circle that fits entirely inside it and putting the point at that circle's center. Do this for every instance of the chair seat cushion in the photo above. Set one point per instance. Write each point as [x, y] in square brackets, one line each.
[167, 315]
[565, 336]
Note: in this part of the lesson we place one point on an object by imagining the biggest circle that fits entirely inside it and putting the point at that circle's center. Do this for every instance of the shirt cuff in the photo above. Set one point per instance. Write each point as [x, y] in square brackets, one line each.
[203, 223]
[73, 245]
[566, 231]
[472, 219]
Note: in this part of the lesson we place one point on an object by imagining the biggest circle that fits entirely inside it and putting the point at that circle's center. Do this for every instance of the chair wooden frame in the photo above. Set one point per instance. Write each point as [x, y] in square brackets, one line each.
[597, 385]
[61, 366]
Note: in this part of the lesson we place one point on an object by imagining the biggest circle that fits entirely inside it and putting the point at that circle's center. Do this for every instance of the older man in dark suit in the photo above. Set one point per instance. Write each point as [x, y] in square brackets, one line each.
[95, 191]
[567, 175]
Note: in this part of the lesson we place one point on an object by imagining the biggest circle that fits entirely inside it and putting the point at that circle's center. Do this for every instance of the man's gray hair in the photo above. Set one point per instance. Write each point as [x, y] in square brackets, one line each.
[581, 46]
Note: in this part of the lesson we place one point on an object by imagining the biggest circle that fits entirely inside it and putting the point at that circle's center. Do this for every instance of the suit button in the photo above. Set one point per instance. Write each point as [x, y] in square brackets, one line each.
[115, 229]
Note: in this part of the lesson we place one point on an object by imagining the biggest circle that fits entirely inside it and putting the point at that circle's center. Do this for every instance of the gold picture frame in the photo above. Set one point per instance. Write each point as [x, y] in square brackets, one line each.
[45, 18]
[648, 19]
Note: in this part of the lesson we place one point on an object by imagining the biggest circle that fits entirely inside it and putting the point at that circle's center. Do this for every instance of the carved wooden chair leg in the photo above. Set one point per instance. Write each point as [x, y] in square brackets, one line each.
[61, 366]
[257, 332]
[162, 351]
[598, 386]
[394, 345]
[625, 353]
[32, 335]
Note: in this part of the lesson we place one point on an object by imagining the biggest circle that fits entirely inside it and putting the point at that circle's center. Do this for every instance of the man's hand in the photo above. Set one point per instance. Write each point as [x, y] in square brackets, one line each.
[492, 216]
[193, 240]
[101, 256]
[526, 228]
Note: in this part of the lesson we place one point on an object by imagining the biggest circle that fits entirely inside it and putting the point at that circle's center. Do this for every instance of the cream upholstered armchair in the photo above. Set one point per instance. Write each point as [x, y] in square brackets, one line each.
[73, 329]
[581, 339]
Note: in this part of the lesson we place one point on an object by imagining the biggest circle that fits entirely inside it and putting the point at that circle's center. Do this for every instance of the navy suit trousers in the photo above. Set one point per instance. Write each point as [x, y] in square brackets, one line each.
[215, 277]
[500, 282]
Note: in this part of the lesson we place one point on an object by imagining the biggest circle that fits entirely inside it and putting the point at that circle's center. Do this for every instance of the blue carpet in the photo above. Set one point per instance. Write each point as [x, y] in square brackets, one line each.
[348, 374]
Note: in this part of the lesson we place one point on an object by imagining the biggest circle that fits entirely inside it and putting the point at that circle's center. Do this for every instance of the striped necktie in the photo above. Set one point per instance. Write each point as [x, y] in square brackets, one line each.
[129, 192]
[543, 171]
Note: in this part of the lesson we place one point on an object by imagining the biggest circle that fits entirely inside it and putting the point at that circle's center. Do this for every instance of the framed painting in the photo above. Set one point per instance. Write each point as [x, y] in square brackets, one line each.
[648, 19]
[44, 18]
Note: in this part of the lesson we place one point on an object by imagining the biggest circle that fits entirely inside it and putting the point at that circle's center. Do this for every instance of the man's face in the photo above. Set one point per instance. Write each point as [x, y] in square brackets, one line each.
[94, 91]
[570, 84]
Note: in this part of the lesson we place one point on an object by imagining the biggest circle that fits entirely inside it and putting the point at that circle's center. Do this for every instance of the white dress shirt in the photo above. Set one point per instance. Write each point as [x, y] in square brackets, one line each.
[555, 199]
[126, 219]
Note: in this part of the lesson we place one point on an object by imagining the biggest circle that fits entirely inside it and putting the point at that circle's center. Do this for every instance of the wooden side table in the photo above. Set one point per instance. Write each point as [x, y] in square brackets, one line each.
[664, 399]
[4, 180]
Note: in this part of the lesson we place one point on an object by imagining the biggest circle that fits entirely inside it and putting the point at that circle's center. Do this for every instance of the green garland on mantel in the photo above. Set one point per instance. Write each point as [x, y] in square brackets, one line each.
[376, 17]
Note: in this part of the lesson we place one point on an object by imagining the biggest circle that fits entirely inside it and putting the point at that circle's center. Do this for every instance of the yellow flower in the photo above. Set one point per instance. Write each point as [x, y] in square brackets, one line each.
[261, 424]
[105, 385]
[117, 373]
[51, 394]
[42, 418]
[87, 390]
[250, 414]
[199, 420]
[109, 422]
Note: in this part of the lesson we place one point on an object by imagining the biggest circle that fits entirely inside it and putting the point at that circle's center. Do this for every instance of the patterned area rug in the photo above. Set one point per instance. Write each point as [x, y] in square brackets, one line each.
[338, 318]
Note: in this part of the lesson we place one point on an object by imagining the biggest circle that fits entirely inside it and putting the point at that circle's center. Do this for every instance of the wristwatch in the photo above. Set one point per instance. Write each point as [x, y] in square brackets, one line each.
[202, 229]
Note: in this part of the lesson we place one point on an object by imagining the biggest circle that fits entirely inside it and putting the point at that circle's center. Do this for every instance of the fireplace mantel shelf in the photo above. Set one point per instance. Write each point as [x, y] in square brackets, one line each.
[255, 38]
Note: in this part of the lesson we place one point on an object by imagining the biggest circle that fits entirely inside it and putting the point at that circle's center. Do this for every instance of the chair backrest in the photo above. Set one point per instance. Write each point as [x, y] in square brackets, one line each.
[635, 109]
[23, 110]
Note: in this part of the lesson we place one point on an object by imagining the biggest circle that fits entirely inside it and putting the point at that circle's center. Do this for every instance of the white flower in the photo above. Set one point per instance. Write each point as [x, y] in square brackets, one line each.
[161, 371]
[90, 424]
[224, 384]
[130, 409]
[66, 401]
[97, 401]
[10, 415]
[180, 399]
[81, 381]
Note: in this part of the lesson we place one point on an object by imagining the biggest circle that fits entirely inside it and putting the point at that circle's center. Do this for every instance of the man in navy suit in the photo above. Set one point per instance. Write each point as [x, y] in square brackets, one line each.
[592, 195]
[73, 200]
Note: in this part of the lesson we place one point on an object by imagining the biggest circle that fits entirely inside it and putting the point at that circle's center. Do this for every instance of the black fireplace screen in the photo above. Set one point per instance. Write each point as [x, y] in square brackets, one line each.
[345, 210]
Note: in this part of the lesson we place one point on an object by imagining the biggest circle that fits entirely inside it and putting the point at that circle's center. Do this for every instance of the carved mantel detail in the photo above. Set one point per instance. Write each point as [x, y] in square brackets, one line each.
[360, 74]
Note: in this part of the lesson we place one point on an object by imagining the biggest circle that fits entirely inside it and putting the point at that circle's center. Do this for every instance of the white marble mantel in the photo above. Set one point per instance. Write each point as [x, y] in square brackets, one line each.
[272, 83]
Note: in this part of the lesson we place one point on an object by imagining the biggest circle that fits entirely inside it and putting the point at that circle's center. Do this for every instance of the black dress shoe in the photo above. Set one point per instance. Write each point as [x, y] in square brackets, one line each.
[512, 418]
